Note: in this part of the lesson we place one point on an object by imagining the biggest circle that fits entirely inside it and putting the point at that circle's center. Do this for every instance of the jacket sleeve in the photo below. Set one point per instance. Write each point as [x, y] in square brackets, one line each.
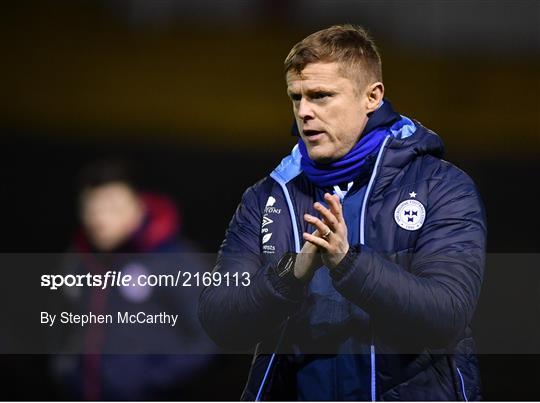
[432, 301]
[238, 317]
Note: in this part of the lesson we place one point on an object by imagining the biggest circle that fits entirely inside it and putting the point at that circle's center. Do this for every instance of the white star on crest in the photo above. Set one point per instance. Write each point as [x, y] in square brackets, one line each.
[412, 194]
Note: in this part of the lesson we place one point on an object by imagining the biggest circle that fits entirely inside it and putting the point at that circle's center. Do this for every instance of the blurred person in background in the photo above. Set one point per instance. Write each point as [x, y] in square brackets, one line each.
[137, 233]
[366, 250]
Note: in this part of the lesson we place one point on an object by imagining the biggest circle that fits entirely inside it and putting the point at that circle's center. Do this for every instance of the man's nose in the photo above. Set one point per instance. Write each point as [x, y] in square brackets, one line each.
[305, 111]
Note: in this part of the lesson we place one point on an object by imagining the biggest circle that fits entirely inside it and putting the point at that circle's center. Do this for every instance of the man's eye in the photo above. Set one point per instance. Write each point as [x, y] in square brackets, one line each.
[321, 95]
[295, 97]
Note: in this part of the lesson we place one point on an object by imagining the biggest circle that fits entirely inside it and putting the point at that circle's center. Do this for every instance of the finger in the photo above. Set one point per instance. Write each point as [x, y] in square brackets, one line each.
[315, 240]
[335, 206]
[328, 216]
[317, 223]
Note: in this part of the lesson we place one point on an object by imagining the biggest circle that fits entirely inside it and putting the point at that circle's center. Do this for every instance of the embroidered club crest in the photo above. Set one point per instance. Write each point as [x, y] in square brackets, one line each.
[410, 214]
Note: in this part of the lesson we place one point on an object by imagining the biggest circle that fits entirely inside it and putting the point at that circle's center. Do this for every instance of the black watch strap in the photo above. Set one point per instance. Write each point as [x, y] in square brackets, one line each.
[285, 266]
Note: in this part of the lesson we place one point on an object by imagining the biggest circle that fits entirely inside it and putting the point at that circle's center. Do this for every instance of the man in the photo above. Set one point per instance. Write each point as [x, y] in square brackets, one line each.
[137, 233]
[365, 249]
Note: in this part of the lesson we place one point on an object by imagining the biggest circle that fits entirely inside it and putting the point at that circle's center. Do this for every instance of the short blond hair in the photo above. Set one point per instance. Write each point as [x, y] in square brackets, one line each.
[349, 45]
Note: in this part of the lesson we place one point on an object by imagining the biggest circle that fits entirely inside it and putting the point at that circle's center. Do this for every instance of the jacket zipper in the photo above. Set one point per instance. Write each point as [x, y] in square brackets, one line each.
[462, 383]
[373, 384]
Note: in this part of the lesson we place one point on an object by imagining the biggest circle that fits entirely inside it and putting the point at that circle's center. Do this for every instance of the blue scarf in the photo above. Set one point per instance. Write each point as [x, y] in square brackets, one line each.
[358, 161]
[352, 165]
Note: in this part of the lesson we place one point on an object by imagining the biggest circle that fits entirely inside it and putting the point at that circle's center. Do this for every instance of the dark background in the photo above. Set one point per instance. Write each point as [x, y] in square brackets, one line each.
[193, 93]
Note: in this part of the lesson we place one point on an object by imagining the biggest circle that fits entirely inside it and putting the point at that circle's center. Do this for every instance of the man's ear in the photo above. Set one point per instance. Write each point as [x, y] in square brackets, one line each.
[374, 95]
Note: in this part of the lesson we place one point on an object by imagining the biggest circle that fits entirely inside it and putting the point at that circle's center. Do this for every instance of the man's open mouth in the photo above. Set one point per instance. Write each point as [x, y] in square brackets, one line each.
[311, 133]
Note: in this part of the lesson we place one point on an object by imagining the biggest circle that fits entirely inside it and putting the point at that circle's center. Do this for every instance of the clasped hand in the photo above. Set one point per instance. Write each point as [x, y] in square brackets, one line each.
[328, 244]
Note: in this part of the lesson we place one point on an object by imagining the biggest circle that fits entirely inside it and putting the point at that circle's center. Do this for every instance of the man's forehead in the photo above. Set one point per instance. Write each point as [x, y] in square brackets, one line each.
[321, 73]
[313, 70]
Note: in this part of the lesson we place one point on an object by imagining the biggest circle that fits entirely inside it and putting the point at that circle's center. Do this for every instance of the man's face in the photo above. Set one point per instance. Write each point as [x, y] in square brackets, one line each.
[330, 110]
[110, 213]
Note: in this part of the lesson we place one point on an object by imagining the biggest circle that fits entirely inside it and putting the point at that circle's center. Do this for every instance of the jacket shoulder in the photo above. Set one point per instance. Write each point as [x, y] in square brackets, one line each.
[443, 170]
[259, 191]
[448, 179]
[243, 231]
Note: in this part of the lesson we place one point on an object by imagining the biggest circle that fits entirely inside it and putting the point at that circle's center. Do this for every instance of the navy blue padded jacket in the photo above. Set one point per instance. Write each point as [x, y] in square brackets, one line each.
[417, 288]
